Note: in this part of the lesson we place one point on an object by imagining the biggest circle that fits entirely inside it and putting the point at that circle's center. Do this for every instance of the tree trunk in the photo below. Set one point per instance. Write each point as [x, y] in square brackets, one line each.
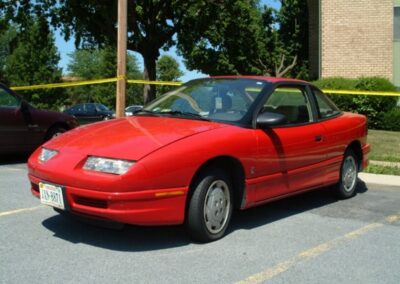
[149, 92]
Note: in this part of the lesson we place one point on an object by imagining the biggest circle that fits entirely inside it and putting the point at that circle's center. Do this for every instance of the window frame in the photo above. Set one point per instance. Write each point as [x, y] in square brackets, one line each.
[305, 87]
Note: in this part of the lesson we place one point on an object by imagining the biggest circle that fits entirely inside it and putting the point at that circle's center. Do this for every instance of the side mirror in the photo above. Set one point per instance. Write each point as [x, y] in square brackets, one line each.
[268, 119]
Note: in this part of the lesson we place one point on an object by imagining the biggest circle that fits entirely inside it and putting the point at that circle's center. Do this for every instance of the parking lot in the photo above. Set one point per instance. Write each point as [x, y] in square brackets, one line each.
[310, 238]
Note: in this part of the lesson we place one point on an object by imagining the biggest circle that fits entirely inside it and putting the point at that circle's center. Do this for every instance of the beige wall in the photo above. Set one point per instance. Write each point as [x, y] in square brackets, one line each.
[356, 38]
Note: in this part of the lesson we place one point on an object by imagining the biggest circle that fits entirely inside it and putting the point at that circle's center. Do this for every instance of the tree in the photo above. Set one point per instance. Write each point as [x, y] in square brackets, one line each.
[33, 61]
[223, 37]
[8, 40]
[151, 26]
[293, 35]
[89, 64]
[167, 70]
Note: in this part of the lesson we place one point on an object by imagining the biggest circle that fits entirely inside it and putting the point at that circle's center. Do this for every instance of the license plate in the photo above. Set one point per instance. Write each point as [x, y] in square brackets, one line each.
[51, 195]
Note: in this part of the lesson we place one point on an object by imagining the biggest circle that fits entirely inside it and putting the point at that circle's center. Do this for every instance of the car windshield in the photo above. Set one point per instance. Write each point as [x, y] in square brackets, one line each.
[212, 99]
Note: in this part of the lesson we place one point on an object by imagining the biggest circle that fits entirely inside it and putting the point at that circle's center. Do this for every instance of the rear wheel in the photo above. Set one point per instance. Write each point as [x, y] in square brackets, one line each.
[210, 207]
[348, 175]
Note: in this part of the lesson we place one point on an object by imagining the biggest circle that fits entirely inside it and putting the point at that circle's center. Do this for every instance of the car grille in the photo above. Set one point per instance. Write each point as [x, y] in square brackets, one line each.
[35, 187]
[97, 203]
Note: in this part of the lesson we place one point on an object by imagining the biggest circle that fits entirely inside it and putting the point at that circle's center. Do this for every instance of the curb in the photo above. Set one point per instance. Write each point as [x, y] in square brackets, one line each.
[380, 179]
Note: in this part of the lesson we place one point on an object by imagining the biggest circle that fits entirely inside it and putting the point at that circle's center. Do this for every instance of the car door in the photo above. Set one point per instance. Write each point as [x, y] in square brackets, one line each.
[292, 153]
[13, 125]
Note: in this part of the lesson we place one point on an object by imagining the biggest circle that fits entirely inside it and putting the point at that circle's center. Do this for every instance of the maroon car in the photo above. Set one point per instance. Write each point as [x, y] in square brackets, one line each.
[23, 128]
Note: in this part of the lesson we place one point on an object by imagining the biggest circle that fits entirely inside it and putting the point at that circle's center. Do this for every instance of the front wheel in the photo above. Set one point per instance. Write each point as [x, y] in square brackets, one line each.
[346, 187]
[210, 207]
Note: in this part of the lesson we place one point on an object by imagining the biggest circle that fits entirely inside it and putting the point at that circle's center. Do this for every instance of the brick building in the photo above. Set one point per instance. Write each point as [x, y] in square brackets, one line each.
[353, 38]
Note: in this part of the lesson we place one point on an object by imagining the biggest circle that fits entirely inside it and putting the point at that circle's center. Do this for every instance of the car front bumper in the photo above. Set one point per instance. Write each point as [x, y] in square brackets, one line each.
[148, 207]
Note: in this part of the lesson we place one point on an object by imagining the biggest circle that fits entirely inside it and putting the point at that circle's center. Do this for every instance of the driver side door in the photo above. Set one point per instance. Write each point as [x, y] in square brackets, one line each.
[13, 128]
[292, 153]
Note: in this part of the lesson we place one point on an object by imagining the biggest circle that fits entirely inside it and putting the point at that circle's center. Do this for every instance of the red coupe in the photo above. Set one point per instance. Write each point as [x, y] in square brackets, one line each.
[196, 153]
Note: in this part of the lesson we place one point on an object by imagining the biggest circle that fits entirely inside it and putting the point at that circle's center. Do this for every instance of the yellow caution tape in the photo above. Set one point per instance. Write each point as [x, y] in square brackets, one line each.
[168, 83]
[165, 83]
[364, 93]
[65, 84]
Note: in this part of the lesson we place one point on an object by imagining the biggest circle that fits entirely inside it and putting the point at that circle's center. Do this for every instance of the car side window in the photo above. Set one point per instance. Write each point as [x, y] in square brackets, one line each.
[7, 100]
[292, 102]
[326, 108]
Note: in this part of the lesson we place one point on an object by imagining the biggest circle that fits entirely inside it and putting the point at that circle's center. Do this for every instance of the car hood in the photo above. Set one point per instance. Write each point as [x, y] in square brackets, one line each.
[128, 138]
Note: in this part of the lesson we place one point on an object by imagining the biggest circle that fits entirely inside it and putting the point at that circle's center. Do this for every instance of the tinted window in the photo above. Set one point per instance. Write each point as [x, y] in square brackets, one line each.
[8, 100]
[326, 108]
[291, 102]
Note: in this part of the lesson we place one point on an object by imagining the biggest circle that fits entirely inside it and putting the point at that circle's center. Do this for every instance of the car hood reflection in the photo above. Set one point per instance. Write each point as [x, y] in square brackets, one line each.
[129, 138]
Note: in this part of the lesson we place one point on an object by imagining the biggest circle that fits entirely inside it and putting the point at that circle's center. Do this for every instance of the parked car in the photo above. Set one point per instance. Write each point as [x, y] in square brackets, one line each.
[23, 127]
[90, 112]
[195, 154]
[131, 110]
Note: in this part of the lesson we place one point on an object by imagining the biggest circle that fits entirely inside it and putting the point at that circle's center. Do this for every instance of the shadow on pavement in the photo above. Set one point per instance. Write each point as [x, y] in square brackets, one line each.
[136, 238]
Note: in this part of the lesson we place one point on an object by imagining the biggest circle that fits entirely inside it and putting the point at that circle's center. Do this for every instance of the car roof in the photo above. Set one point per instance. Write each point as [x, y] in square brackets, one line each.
[260, 78]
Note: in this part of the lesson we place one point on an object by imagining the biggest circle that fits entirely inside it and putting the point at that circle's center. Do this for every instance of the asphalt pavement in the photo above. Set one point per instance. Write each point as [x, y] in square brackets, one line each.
[309, 238]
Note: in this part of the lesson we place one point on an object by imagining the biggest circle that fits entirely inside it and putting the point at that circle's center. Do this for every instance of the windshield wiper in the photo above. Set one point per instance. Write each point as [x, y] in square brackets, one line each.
[183, 113]
[145, 111]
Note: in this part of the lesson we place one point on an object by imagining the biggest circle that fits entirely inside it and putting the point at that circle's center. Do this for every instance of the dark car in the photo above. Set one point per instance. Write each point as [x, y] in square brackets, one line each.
[90, 112]
[23, 127]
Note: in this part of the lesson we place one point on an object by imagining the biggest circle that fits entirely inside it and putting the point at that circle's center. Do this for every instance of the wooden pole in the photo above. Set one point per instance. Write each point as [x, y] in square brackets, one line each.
[121, 58]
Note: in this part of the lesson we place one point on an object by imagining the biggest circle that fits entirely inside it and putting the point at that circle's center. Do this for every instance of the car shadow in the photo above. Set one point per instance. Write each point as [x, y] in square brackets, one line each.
[138, 238]
[13, 159]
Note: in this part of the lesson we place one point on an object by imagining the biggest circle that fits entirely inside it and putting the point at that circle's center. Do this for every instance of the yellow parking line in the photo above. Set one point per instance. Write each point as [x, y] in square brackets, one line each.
[314, 252]
[23, 210]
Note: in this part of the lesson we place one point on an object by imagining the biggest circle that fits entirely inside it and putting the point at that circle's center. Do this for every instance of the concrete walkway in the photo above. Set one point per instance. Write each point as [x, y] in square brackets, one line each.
[380, 179]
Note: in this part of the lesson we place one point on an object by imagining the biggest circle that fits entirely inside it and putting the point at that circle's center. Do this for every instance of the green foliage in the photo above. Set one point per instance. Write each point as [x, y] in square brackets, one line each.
[293, 35]
[8, 40]
[88, 64]
[374, 107]
[167, 70]
[227, 38]
[391, 120]
[33, 60]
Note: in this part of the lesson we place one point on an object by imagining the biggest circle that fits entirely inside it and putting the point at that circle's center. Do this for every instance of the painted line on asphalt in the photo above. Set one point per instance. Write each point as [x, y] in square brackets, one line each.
[271, 272]
[23, 210]
[12, 169]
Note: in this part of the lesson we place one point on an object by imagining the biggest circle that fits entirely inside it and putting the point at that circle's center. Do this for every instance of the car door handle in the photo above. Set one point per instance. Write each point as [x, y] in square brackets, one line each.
[33, 126]
[318, 138]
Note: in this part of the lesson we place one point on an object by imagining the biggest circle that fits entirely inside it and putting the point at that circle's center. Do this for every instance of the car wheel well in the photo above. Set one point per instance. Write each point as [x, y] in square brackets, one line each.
[356, 147]
[53, 128]
[233, 168]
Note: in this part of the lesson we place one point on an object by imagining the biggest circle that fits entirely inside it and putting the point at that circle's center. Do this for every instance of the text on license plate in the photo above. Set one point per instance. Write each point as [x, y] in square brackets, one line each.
[51, 195]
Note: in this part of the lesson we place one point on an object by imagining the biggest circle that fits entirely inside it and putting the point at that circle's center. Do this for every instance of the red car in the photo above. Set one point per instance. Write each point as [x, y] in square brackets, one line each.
[193, 155]
[23, 128]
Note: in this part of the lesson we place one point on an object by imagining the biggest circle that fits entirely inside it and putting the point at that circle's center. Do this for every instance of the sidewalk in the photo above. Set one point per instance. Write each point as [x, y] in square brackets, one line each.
[380, 179]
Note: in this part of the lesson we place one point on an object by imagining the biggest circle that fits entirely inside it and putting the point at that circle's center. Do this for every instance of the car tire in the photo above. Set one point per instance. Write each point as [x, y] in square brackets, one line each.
[54, 131]
[347, 185]
[210, 206]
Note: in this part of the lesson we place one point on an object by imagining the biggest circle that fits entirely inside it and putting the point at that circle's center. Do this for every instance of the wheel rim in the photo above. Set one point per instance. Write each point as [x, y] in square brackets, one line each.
[217, 206]
[349, 173]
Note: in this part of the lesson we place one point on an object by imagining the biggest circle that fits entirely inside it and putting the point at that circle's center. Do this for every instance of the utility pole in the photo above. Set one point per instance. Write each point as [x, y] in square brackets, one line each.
[121, 58]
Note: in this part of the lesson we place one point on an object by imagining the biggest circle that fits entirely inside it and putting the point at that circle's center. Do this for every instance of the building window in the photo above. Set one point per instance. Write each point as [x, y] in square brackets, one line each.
[396, 26]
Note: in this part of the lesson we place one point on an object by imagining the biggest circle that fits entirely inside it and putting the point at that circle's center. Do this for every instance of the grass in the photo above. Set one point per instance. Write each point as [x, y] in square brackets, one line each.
[382, 170]
[385, 145]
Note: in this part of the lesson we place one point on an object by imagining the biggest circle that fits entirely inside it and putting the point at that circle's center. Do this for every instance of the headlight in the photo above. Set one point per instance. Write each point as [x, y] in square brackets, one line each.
[46, 154]
[106, 165]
